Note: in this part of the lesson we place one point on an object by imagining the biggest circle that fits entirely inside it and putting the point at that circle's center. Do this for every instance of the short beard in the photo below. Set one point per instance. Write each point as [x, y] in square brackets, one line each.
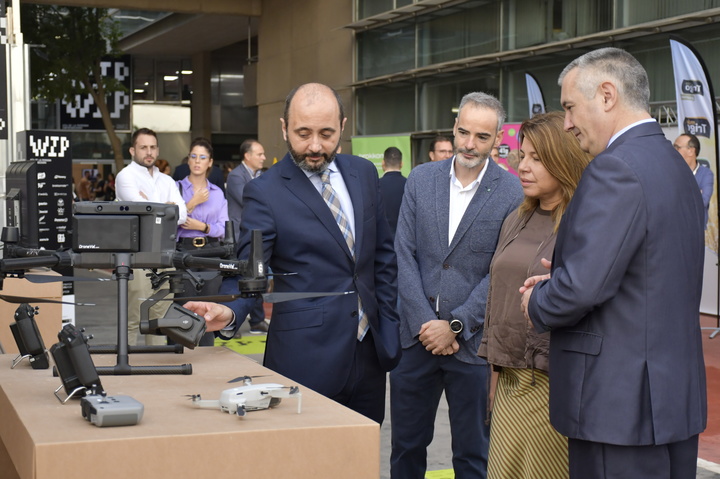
[301, 160]
[470, 164]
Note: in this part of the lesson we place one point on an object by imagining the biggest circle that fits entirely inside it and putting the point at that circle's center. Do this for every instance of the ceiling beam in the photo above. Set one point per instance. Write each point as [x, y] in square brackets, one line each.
[221, 7]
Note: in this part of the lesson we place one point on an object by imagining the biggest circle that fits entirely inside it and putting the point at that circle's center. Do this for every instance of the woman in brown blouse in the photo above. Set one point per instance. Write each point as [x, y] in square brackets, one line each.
[522, 441]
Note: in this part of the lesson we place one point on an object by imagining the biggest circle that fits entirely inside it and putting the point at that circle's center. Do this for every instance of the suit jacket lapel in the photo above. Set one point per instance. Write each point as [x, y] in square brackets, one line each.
[300, 185]
[483, 192]
[442, 200]
[352, 182]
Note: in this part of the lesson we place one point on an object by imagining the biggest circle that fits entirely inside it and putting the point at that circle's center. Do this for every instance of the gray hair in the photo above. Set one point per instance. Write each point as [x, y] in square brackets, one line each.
[484, 100]
[629, 76]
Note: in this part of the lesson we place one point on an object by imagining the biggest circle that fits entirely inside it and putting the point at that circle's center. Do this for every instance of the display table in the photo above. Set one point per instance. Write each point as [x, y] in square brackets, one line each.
[45, 439]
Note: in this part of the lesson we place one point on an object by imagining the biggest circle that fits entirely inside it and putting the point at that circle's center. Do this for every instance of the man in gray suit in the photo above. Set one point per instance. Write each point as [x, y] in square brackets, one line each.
[447, 232]
[253, 158]
[628, 378]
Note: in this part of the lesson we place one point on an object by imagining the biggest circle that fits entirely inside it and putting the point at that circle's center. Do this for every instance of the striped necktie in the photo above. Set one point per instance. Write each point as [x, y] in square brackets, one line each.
[333, 203]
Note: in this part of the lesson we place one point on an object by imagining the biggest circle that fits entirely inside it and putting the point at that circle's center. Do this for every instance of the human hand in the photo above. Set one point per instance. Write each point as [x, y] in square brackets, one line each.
[193, 224]
[533, 280]
[200, 196]
[217, 316]
[143, 195]
[437, 337]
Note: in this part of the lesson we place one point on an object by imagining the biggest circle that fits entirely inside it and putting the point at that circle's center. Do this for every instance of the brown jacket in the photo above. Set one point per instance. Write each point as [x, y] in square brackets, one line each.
[501, 344]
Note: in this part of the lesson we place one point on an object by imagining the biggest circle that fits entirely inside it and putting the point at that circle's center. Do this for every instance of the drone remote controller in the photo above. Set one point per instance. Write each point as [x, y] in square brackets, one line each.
[102, 410]
[28, 338]
[74, 364]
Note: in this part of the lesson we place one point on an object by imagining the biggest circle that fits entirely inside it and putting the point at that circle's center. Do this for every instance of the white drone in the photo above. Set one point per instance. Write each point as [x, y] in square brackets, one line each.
[250, 397]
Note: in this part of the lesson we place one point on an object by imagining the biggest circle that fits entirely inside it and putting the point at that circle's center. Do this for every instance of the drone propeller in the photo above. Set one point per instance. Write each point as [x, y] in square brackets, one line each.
[246, 378]
[192, 397]
[41, 278]
[267, 297]
[25, 299]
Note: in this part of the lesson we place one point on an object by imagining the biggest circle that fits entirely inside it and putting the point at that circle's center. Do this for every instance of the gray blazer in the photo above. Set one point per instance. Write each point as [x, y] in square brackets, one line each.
[236, 181]
[458, 272]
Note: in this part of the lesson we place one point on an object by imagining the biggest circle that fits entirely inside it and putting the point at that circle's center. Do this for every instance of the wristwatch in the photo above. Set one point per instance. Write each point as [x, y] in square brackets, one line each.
[456, 326]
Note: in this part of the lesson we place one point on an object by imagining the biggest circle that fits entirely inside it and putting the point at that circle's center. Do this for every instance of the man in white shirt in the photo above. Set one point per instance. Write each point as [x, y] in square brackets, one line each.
[142, 181]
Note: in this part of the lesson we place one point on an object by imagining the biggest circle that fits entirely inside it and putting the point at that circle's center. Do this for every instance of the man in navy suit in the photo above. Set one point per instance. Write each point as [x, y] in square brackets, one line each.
[253, 158]
[329, 344]
[449, 224]
[392, 185]
[627, 385]
[689, 147]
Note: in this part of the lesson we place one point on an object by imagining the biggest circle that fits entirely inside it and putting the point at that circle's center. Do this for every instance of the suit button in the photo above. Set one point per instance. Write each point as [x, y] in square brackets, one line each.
[354, 314]
[446, 266]
[431, 299]
[355, 276]
[475, 329]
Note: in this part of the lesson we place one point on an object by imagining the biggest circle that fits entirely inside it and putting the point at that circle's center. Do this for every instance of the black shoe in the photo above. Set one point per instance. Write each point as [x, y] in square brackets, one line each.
[259, 328]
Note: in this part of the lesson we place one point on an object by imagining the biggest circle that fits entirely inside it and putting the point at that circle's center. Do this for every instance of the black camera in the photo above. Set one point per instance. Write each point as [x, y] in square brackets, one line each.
[74, 365]
[179, 324]
[28, 339]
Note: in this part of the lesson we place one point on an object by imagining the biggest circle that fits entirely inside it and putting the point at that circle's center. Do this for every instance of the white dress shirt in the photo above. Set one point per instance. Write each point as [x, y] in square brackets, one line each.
[158, 188]
[460, 198]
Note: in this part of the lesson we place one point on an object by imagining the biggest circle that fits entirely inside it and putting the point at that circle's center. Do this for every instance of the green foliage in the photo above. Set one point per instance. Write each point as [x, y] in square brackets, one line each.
[69, 44]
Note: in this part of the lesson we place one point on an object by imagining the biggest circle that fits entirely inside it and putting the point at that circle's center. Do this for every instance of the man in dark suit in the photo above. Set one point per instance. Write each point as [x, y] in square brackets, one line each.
[253, 158]
[392, 185]
[622, 304]
[449, 224]
[329, 344]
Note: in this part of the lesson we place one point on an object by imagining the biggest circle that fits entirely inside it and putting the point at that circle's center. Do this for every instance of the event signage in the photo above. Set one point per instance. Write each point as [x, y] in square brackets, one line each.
[536, 101]
[51, 150]
[83, 114]
[696, 115]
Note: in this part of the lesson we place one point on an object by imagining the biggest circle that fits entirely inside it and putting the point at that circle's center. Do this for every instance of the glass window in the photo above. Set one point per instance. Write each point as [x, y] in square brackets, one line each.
[368, 8]
[386, 50]
[464, 33]
[633, 12]
[439, 97]
[143, 79]
[384, 109]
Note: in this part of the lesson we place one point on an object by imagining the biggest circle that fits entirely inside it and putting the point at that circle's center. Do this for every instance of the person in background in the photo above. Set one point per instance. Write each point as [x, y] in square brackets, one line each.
[206, 216]
[622, 303]
[689, 147]
[522, 441]
[110, 187]
[141, 181]
[215, 176]
[441, 148]
[163, 166]
[392, 185]
[84, 189]
[253, 158]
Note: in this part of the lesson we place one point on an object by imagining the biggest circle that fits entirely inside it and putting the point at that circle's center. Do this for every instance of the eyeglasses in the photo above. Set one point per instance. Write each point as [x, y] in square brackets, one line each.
[678, 147]
[195, 157]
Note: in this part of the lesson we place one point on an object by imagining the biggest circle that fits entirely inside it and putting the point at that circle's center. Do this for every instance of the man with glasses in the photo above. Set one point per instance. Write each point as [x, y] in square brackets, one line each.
[441, 148]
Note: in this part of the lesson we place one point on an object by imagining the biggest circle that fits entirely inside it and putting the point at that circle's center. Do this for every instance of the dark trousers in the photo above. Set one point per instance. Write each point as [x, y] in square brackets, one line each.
[364, 391]
[593, 460]
[416, 386]
[257, 313]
